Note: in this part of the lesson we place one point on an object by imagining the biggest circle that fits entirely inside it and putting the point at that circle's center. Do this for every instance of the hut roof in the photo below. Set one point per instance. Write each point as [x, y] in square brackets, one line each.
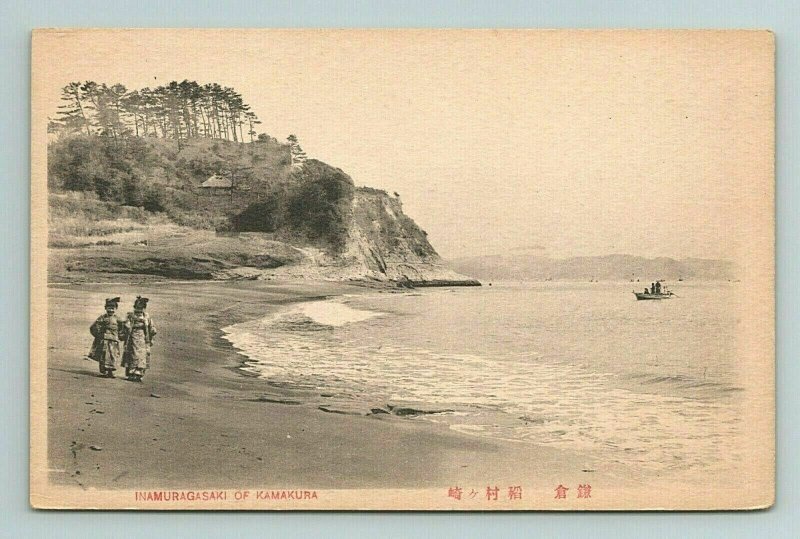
[217, 181]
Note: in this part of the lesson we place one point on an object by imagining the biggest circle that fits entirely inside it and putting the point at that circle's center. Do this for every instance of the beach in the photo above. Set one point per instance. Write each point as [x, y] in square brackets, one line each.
[198, 421]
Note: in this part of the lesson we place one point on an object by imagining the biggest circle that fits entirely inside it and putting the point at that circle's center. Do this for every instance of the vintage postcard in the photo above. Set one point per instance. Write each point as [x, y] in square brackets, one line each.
[402, 269]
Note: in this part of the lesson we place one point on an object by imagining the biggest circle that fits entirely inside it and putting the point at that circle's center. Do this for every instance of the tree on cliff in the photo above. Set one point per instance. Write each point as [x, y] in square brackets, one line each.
[252, 121]
[319, 202]
[298, 155]
[71, 115]
[177, 110]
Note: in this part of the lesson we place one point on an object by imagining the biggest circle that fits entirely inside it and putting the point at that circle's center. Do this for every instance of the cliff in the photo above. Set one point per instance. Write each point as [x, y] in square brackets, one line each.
[380, 243]
[385, 244]
[138, 210]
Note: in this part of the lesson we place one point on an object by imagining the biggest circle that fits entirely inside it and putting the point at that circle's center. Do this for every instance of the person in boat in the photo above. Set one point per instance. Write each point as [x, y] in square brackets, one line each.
[658, 287]
[139, 333]
[106, 331]
[646, 290]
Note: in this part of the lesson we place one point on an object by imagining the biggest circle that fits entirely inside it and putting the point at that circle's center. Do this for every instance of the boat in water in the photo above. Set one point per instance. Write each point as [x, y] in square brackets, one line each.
[657, 291]
[647, 295]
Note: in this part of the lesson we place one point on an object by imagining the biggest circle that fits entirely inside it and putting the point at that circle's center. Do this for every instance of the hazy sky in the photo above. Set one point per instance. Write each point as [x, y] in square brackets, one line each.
[557, 143]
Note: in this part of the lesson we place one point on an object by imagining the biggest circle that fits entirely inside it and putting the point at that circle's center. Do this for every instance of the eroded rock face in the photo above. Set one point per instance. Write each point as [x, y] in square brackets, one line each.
[385, 244]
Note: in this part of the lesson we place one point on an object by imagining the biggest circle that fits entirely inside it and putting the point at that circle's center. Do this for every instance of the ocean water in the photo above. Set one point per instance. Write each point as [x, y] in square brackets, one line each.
[584, 366]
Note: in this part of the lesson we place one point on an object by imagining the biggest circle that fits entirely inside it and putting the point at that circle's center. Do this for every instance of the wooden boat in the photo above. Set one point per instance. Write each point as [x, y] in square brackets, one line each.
[663, 295]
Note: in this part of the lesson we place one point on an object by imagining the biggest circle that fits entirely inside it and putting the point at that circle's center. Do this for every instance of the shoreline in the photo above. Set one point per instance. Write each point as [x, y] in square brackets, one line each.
[199, 420]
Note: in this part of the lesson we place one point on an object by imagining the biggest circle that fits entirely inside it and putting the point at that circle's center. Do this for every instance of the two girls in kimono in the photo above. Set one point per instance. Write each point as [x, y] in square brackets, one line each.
[135, 332]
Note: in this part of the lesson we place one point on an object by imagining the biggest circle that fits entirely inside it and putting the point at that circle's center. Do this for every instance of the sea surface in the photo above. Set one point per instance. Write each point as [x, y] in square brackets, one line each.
[581, 366]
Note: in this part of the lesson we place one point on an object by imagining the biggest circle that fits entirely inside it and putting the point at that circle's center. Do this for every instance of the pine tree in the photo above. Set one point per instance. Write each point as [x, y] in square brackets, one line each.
[72, 114]
[297, 154]
[178, 110]
[253, 121]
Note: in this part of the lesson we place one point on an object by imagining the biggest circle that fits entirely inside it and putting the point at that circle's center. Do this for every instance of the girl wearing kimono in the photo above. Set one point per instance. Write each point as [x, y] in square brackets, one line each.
[139, 333]
[106, 331]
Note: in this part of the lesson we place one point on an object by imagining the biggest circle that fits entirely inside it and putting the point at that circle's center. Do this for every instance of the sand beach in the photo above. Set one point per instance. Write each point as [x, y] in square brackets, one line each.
[197, 421]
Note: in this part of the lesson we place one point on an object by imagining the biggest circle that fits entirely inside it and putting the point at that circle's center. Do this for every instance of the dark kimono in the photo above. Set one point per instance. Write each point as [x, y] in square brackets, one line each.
[106, 331]
[139, 333]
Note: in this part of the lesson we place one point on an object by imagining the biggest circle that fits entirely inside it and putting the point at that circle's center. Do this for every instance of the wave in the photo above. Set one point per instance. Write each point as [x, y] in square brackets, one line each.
[408, 356]
[681, 381]
[334, 314]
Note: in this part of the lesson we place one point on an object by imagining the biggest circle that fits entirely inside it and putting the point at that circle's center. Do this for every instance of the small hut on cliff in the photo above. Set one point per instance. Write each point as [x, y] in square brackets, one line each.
[217, 185]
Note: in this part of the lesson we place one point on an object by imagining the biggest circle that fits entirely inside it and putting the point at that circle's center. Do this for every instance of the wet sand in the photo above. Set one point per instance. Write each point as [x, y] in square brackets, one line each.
[197, 421]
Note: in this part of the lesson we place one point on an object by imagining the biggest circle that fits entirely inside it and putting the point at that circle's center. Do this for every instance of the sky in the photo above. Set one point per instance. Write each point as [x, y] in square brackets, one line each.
[556, 143]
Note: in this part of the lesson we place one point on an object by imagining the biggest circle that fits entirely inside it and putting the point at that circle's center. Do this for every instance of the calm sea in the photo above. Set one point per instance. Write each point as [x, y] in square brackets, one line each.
[650, 384]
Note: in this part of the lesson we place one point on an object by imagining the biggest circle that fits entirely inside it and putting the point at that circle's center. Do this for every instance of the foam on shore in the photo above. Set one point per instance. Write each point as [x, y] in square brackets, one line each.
[334, 313]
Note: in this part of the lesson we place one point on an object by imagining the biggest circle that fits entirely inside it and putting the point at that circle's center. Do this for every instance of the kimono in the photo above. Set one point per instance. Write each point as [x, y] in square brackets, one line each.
[106, 331]
[139, 333]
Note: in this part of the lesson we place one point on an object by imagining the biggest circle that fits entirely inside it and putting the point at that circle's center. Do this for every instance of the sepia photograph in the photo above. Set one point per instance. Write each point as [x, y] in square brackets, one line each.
[465, 270]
